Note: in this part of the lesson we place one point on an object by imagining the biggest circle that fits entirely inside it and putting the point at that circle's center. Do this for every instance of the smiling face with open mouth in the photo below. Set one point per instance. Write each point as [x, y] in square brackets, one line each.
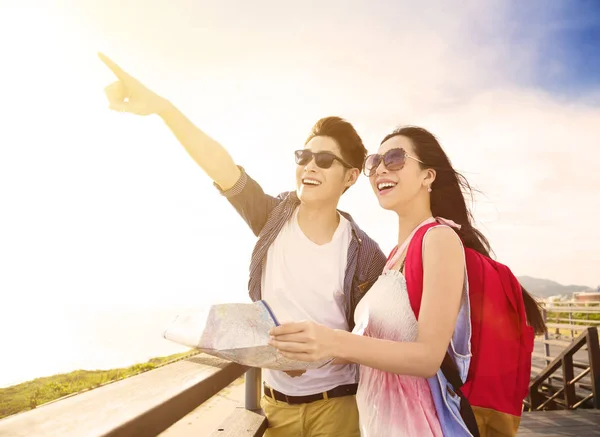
[395, 172]
[321, 171]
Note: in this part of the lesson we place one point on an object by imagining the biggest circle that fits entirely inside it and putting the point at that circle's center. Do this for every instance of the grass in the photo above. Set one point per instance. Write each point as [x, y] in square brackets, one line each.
[577, 318]
[30, 394]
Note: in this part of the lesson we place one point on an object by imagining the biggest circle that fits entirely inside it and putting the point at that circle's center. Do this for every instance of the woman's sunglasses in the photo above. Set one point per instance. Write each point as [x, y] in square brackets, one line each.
[322, 159]
[393, 160]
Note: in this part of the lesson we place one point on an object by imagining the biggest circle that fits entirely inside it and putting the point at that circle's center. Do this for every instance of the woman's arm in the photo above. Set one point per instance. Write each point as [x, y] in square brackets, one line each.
[443, 266]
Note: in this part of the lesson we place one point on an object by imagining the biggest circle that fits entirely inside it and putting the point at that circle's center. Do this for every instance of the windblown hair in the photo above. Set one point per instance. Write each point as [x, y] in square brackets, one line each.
[448, 201]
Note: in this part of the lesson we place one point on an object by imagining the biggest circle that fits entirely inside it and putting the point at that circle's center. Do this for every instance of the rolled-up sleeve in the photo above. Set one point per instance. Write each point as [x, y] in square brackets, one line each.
[237, 188]
[250, 201]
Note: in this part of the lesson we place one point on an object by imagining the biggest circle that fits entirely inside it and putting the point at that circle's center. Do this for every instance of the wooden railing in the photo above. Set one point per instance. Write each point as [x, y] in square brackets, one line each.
[557, 386]
[146, 404]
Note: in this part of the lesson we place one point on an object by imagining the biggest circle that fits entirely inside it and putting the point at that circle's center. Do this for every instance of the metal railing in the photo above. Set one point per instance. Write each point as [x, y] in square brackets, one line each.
[253, 381]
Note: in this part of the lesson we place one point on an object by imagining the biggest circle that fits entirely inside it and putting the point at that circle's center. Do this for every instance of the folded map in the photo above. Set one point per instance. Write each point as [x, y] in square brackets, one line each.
[237, 332]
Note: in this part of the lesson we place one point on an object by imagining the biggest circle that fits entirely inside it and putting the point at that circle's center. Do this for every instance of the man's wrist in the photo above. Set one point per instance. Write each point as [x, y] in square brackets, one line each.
[164, 108]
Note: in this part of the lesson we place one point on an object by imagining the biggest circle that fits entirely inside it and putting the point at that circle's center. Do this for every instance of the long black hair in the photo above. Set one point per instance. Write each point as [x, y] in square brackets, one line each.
[448, 201]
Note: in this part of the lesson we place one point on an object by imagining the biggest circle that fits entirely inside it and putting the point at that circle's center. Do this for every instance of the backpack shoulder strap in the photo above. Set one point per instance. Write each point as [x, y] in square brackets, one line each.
[450, 371]
[413, 267]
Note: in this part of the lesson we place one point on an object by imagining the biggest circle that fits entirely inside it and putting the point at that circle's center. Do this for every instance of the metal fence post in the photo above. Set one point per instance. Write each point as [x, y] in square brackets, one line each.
[571, 322]
[546, 337]
[252, 388]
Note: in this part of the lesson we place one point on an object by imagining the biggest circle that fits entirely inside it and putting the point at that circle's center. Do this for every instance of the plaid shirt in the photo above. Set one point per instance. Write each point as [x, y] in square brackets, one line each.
[266, 216]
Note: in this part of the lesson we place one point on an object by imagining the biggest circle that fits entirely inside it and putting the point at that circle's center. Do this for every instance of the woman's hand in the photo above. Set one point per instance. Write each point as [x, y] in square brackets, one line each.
[304, 341]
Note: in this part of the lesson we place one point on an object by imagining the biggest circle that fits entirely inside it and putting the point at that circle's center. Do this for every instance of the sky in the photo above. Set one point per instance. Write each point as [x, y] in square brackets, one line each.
[106, 210]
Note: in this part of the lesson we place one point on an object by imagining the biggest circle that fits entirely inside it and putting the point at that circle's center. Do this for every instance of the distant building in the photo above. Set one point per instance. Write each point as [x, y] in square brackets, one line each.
[587, 296]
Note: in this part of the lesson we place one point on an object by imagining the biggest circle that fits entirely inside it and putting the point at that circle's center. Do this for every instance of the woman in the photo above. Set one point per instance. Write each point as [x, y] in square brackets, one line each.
[412, 176]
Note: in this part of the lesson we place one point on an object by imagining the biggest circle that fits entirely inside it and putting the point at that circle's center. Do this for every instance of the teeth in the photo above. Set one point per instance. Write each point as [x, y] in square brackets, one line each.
[310, 182]
[385, 185]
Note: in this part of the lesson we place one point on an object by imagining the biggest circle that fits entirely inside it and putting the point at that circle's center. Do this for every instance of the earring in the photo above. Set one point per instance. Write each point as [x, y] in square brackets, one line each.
[429, 189]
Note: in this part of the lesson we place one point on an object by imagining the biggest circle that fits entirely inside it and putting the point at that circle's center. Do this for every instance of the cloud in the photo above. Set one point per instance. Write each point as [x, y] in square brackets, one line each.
[535, 160]
[115, 206]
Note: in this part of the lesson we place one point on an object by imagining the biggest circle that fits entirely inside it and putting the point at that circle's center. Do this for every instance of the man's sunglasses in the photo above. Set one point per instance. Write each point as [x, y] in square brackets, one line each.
[393, 160]
[322, 159]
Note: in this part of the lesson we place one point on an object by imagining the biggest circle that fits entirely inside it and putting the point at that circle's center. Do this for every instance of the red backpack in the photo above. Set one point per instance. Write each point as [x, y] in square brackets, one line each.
[501, 341]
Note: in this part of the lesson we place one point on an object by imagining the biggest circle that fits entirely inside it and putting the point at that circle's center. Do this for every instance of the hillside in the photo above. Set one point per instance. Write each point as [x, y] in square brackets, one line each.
[545, 287]
[30, 394]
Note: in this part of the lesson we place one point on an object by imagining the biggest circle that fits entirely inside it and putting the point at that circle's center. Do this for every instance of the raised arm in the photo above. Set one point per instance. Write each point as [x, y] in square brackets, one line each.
[128, 94]
[211, 156]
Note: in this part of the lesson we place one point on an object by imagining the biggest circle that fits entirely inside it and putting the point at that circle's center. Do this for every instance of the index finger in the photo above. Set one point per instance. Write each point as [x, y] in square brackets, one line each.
[288, 328]
[118, 71]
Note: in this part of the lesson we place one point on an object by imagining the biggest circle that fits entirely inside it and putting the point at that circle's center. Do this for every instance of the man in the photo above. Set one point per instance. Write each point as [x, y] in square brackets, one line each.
[310, 261]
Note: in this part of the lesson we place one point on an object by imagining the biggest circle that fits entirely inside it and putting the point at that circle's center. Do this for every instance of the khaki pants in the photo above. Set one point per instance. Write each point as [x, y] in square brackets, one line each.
[336, 417]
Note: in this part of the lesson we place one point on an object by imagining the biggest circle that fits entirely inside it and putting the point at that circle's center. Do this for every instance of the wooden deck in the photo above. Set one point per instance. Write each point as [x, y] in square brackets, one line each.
[575, 423]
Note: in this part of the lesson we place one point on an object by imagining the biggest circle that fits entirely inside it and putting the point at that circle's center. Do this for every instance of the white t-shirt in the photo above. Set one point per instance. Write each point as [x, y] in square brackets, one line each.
[305, 281]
